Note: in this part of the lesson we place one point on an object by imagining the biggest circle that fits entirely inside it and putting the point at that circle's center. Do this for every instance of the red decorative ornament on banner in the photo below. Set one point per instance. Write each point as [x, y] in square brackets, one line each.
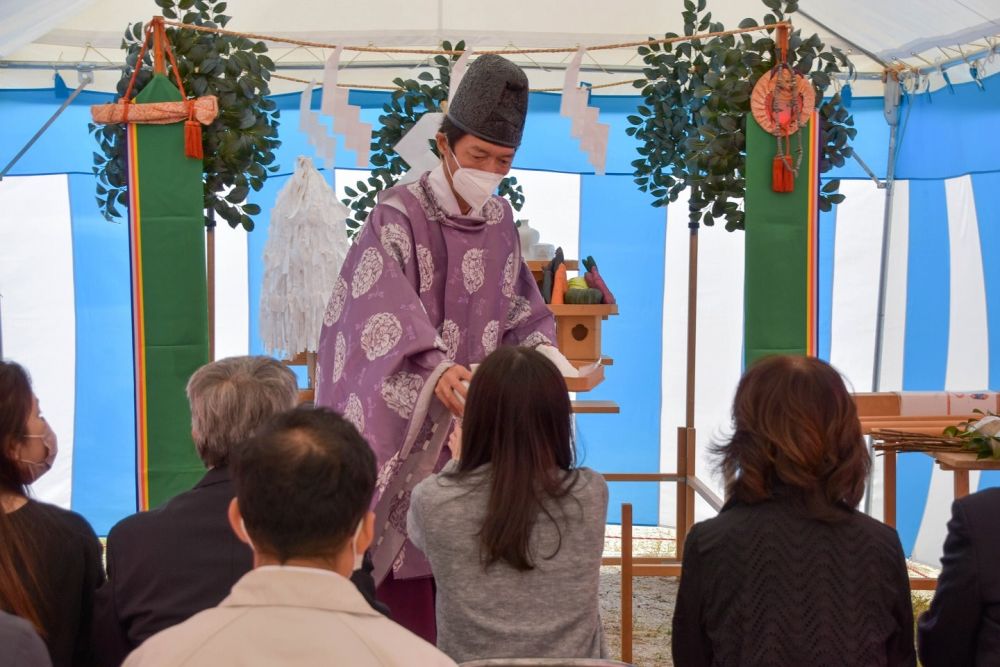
[782, 102]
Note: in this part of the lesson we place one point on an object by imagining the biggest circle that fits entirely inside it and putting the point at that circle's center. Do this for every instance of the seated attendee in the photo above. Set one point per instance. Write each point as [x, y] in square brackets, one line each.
[50, 559]
[962, 627]
[22, 647]
[513, 530]
[303, 488]
[789, 572]
[168, 564]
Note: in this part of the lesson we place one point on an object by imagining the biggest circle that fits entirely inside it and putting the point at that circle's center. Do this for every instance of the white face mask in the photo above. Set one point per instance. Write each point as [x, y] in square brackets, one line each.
[358, 557]
[34, 469]
[475, 186]
[247, 533]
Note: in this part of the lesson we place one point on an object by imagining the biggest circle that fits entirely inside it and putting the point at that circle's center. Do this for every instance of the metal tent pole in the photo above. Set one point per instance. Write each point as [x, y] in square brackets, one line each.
[891, 110]
[86, 78]
[892, 98]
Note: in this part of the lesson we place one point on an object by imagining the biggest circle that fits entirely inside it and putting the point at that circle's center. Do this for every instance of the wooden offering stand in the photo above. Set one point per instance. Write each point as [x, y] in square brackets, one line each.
[578, 337]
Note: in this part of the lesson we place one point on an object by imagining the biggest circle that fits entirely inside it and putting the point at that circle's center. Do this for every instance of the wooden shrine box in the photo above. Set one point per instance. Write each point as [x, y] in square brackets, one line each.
[578, 330]
[578, 327]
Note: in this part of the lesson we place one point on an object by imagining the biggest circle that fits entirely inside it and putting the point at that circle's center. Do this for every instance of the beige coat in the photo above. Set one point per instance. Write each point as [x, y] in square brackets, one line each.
[288, 616]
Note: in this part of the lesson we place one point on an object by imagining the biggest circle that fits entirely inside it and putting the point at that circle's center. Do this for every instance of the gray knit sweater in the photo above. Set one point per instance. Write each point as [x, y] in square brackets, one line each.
[499, 612]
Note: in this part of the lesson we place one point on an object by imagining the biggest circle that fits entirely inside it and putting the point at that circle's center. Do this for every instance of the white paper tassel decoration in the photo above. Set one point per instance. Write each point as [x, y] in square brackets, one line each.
[306, 246]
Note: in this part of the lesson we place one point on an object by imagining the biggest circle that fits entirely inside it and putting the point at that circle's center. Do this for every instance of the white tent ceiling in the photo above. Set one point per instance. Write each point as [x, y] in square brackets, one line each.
[920, 33]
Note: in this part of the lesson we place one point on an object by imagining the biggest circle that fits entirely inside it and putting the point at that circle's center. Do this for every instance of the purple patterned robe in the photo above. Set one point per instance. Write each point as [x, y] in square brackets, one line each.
[419, 292]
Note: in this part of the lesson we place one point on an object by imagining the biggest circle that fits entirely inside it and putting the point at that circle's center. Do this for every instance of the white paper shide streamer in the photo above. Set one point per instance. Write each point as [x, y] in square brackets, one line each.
[306, 246]
[346, 116]
[414, 146]
[319, 138]
[593, 135]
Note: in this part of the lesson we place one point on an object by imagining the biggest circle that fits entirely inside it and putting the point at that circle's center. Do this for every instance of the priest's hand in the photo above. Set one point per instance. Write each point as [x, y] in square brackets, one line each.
[451, 389]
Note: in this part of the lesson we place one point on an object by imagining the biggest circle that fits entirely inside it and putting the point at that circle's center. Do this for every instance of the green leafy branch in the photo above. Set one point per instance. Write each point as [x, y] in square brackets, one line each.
[239, 145]
[986, 445]
[691, 125]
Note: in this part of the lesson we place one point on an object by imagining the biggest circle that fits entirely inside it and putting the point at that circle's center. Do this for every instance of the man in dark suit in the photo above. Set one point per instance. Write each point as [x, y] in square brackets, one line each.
[172, 562]
[962, 626]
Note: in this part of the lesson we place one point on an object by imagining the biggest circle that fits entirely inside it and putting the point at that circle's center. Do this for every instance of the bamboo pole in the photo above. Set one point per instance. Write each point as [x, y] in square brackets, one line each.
[686, 451]
[626, 582]
[692, 322]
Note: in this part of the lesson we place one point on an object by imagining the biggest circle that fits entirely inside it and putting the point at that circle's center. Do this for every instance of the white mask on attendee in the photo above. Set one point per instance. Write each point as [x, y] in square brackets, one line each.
[243, 525]
[475, 186]
[359, 558]
[35, 469]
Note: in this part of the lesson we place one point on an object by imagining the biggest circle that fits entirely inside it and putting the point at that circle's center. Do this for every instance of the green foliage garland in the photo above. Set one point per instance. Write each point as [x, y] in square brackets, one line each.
[409, 102]
[239, 146]
[692, 123]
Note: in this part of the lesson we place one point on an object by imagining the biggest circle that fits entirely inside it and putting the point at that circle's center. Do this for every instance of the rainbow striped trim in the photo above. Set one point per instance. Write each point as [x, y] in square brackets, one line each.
[812, 277]
[138, 320]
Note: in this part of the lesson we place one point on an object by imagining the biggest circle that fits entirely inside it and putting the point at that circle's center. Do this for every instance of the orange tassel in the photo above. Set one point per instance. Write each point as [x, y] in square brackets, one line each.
[782, 178]
[192, 140]
[789, 184]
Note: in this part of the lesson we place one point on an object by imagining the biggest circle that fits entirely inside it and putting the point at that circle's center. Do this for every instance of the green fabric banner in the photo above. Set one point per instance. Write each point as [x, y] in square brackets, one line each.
[780, 268]
[169, 291]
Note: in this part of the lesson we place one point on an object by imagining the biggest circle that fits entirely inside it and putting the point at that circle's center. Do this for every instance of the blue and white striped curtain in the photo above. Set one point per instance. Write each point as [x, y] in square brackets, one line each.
[65, 312]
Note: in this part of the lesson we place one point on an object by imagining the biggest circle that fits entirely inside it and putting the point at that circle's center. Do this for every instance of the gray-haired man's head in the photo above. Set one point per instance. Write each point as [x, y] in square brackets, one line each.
[231, 398]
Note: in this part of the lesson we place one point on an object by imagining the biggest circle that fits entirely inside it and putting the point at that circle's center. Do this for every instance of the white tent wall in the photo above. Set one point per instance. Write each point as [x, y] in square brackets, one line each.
[968, 348]
[856, 269]
[232, 288]
[38, 307]
[719, 347]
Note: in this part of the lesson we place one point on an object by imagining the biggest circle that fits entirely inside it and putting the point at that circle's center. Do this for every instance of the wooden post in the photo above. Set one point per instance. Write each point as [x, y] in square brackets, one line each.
[680, 534]
[692, 322]
[159, 36]
[889, 488]
[626, 582]
[311, 369]
[210, 275]
[692, 462]
[781, 42]
[961, 483]
[686, 451]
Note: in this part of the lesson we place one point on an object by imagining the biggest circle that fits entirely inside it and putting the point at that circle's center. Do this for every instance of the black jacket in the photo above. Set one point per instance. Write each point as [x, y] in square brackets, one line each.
[962, 626]
[167, 564]
[765, 584]
[68, 569]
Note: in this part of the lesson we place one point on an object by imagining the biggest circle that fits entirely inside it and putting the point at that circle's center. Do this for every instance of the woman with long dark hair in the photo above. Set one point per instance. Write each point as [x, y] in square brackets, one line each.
[790, 573]
[513, 530]
[50, 559]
